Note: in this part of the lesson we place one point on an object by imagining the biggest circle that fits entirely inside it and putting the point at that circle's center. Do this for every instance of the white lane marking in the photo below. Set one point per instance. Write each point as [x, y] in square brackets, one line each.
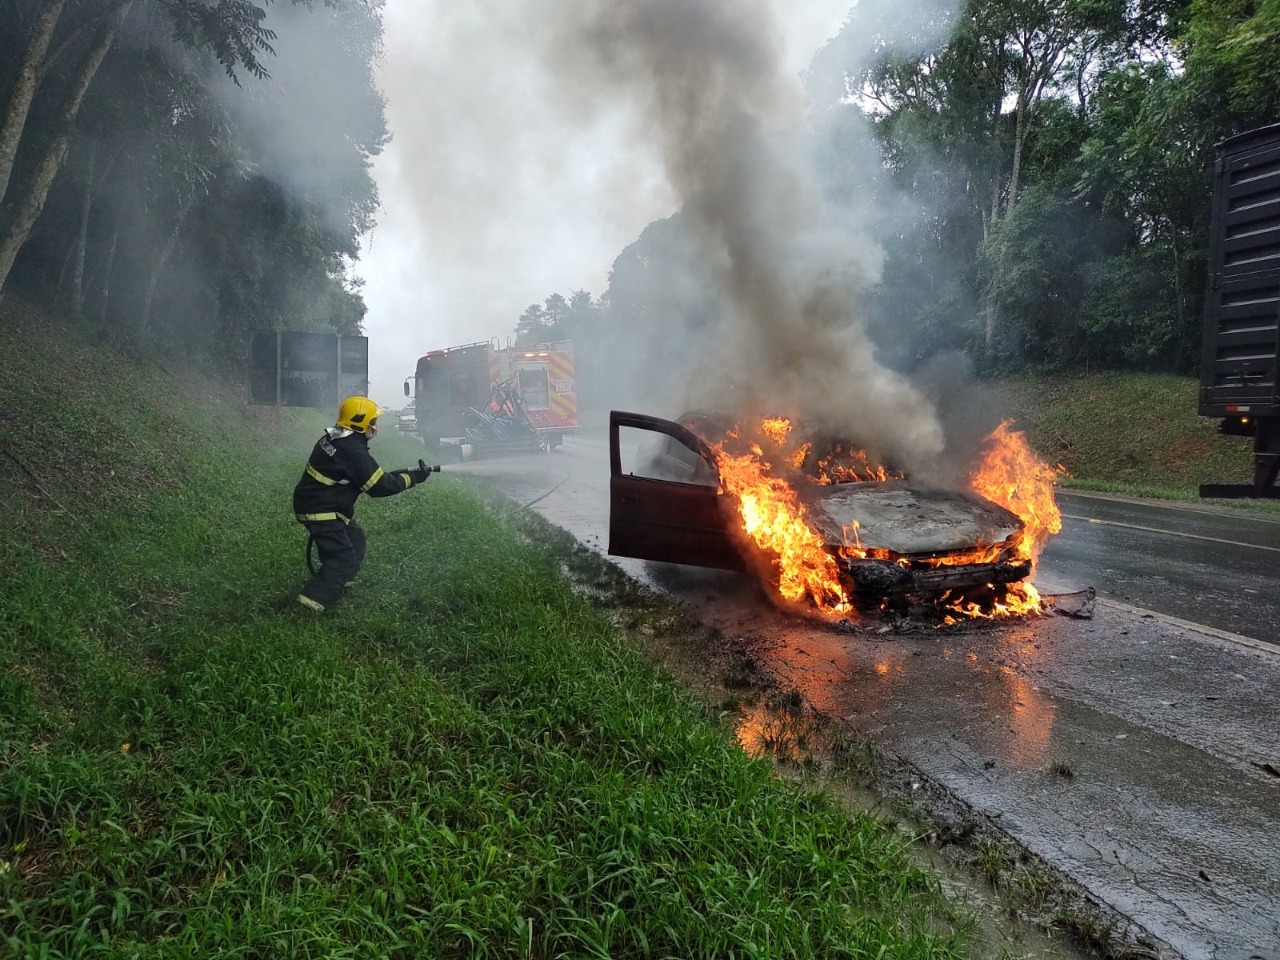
[1170, 533]
[1189, 625]
[1173, 505]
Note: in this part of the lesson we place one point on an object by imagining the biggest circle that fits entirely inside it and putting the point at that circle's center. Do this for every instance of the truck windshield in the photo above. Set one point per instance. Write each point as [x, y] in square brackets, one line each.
[533, 389]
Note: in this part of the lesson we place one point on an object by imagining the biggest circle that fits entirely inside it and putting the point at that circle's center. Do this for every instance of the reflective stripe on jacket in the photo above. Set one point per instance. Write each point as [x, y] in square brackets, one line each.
[339, 469]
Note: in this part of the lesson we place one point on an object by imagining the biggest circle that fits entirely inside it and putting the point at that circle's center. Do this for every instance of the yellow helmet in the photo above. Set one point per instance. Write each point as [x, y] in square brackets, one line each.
[357, 413]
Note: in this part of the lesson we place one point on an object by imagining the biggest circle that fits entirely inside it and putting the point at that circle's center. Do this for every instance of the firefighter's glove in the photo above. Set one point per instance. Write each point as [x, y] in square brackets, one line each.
[420, 473]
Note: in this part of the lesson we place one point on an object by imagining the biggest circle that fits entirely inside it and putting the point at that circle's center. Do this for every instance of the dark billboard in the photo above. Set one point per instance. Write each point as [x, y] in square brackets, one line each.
[294, 369]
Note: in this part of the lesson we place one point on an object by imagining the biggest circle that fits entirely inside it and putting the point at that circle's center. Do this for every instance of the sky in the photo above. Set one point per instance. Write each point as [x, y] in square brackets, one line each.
[498, 190]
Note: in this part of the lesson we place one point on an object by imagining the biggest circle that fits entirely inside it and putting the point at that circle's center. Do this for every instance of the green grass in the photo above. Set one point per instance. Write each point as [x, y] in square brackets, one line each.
[1135, 434]
[464, 759]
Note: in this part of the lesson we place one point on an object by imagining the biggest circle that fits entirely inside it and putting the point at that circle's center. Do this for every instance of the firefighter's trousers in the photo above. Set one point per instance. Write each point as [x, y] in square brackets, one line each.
[340, 546]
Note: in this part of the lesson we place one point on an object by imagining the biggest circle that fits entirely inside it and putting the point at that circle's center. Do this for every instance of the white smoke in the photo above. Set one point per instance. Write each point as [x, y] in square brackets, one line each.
[662, 105]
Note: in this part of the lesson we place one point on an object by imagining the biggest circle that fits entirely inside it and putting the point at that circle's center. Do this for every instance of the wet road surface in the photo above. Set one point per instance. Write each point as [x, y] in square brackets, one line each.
[1136, 754]
[1207, 565]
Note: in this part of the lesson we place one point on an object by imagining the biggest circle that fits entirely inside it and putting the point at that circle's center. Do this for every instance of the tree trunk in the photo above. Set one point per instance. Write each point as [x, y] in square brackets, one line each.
[1020, 127]
[1178, 296]
[82, 239]
[104, 294]
[989, 222]
[144, 320]
[28, 208]
[24, 89]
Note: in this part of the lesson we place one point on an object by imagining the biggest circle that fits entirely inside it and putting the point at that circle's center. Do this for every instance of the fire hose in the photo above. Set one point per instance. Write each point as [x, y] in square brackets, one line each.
[310, 551]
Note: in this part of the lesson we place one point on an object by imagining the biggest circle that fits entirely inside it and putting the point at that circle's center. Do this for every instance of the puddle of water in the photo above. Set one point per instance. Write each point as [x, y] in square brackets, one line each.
[778, 732]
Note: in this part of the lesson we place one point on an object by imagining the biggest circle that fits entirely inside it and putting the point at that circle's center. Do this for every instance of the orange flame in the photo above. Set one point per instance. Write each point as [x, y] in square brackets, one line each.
[774, 518]
[1009, 474]
[852, 466]
[776, 429]
[1012, 475]
[1015, 600]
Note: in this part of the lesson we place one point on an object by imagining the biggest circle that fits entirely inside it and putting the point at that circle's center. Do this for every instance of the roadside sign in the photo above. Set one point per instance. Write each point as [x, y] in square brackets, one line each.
[289, 368]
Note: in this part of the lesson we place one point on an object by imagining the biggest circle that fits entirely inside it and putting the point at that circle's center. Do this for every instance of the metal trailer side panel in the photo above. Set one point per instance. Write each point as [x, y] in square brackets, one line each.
[1238, 372]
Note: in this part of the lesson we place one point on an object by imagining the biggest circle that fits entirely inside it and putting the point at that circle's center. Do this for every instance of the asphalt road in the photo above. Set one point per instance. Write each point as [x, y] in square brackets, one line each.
[1214, 566]
[1136, 752]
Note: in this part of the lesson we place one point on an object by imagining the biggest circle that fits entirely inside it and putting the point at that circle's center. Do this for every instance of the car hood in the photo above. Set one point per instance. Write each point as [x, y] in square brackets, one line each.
[908, 520]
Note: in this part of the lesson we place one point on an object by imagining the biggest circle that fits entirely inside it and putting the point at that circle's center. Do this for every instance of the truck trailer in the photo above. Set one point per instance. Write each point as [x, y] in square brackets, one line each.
[1238, 368]
[486, 398]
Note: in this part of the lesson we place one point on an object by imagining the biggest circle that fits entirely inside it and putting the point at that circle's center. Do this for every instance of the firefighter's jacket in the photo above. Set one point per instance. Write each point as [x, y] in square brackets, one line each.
[339, 469]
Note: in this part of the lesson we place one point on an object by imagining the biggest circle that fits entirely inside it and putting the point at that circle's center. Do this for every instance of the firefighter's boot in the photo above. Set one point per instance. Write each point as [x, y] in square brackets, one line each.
[310, 604]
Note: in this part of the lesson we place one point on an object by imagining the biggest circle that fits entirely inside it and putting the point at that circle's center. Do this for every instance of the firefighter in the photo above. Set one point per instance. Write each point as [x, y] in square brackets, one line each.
[339, 469]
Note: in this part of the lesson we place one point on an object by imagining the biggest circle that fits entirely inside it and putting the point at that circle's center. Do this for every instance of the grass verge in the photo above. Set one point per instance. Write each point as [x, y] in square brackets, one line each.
[1130, 434]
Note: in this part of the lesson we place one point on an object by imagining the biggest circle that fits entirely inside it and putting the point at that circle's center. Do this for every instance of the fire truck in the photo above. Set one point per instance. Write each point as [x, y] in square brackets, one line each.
[485, 398]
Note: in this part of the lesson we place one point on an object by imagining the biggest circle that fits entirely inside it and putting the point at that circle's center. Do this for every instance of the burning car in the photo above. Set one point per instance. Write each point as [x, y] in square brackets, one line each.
[825, 524]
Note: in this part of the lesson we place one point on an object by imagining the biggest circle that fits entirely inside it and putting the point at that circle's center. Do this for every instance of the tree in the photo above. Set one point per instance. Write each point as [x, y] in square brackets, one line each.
[557, 318]
[1146, 161]
[19, 209]
[532, 325]
[1033, 271]
[194, 206]
[59, 47]
[995, 112]
[1231, 63]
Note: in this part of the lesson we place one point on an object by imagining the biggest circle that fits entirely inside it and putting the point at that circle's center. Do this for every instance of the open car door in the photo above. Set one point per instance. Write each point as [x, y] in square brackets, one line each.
[664, 495]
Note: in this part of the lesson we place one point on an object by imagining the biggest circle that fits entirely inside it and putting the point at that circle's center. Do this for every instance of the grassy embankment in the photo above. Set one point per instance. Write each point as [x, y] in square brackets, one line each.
[464, 759]
[1135, 434]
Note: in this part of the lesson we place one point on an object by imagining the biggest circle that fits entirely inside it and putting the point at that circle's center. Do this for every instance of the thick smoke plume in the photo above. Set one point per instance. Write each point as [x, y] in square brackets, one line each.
[790, 265]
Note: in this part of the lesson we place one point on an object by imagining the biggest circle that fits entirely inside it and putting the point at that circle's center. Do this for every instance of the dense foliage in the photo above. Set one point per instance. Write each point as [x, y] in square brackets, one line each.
[1062, 153]
[1046, 166]
[180, 172]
